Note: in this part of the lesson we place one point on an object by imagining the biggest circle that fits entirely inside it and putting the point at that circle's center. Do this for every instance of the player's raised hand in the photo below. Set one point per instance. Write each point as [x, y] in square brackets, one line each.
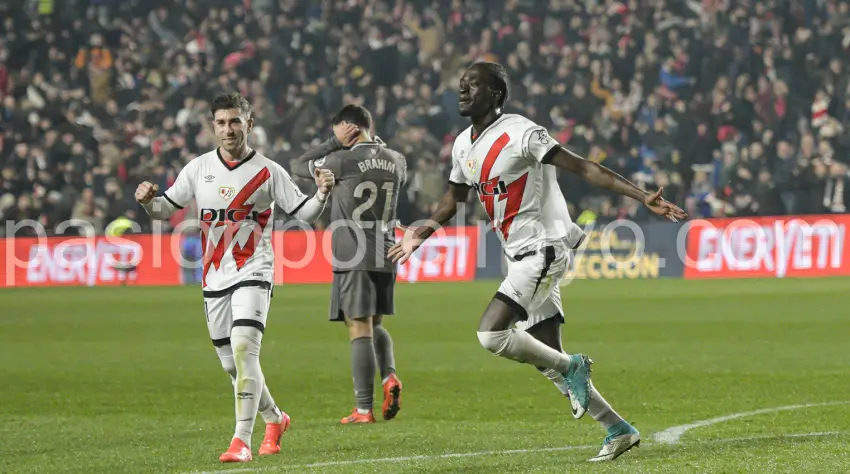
[145, 192]
[346, 133]
[402, 250]
[662, 207]
[324, 180]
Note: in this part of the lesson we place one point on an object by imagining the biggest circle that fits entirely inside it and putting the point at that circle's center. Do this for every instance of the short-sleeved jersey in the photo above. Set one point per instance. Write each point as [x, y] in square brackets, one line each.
[235, 209]
[520, 193]
[369, 177]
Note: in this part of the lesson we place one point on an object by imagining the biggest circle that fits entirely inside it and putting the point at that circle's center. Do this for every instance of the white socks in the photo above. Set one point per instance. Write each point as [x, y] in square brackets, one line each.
[268, 410]
[601, 411]
[558, 379]
[598, 408]
[267, 407]
[520, 346]
[225, 355]
[249, 379]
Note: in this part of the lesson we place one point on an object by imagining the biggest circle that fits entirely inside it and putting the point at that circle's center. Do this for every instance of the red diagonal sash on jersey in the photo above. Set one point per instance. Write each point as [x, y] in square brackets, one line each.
[512, 192]
[514, 197]
[489, 161]
[214, 252]
[242, 254]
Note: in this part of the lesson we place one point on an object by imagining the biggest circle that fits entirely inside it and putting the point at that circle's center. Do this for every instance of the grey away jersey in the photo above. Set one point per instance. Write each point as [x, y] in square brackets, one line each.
[369, 177]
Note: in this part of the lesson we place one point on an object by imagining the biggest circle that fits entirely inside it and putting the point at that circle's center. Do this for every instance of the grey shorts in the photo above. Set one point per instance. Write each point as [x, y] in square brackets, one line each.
[360, 294]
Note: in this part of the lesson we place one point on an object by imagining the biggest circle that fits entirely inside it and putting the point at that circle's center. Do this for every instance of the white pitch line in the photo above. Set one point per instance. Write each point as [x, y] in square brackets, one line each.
[407, 458]
[674, 434]
[816, 434]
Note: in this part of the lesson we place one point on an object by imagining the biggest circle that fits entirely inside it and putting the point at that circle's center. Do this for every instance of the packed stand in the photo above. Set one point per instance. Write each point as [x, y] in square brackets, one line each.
[735, 107]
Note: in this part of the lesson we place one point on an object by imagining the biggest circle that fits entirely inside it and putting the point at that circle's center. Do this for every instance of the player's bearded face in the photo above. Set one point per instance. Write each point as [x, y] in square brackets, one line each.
[232, 129]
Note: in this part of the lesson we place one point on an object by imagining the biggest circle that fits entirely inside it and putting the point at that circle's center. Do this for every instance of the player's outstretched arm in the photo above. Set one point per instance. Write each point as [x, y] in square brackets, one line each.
[413, 238]
[312, 209]
[598, 175]
[158, 207]
[344, 136]
[301, 166]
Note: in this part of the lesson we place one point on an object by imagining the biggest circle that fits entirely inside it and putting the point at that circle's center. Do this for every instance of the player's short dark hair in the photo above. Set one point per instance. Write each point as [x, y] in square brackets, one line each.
[354, 114]
[232, 100]
[498, 77]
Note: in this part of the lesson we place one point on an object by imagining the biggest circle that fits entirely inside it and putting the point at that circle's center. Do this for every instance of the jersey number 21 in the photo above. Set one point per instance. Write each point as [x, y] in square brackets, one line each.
[370, 191]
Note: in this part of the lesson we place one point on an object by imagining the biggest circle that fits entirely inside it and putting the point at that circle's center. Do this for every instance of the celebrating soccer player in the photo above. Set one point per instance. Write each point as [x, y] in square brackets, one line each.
[235, 189]
[510, 162]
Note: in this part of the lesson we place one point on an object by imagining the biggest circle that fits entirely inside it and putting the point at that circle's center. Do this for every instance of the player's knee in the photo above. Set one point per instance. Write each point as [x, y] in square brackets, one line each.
[225, 355]
[495, 341]
[241, 346]
[361, 327]
[246, 349]
[228, 365]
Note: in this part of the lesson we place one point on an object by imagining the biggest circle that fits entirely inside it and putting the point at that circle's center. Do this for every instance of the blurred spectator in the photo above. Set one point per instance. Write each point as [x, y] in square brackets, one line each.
[89, 211]
[21, 211]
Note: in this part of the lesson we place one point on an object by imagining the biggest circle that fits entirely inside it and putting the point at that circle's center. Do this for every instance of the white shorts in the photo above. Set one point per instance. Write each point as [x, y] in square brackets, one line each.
[532, 286]
[245, 306]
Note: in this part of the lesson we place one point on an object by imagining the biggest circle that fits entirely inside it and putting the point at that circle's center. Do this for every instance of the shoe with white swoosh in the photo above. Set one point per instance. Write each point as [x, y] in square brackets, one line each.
[578, 384]
[621, 438]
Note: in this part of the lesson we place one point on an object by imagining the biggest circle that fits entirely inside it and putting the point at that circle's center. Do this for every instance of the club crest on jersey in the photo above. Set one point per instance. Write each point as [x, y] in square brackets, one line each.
[226, 192]
[471, 165]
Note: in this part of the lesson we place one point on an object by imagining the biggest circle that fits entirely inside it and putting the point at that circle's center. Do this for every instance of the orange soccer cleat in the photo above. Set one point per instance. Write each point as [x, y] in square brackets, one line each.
[274, 431]
[237, 452]
[357, 417]
[392, 397]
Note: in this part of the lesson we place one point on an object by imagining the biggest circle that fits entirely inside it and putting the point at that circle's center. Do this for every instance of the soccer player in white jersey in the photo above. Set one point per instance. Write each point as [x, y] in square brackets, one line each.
[510, 162]
[235, 190]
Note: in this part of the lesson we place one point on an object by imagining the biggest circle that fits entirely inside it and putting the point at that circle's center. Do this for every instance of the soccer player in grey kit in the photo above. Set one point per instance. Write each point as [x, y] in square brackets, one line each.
[369, 177]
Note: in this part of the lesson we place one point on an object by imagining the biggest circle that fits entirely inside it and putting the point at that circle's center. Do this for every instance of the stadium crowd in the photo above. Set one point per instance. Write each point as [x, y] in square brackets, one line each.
[736, 107]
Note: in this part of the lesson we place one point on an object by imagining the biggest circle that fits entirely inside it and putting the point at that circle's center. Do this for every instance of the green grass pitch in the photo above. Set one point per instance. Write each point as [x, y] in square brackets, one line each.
[125, 380]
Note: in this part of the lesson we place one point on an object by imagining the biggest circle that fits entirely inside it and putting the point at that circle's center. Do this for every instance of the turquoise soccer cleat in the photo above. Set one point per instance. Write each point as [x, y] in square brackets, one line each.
[621, 438]
[578, 384]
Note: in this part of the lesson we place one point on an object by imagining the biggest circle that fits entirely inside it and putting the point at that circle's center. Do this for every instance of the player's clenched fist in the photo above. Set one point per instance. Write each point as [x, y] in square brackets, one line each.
[145, 192]
[324, 180]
